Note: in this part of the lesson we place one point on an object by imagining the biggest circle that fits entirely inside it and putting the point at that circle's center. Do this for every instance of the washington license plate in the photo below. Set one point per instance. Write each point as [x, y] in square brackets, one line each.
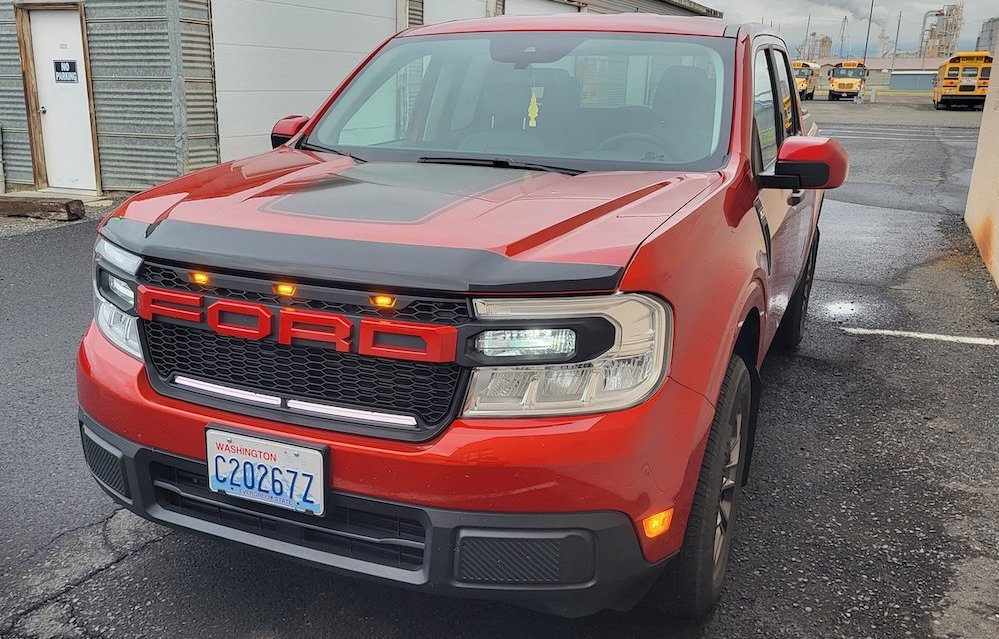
[266, 471]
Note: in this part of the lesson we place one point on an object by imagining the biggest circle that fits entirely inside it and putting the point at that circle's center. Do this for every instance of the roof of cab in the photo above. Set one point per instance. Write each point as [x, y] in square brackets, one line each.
[618, 22]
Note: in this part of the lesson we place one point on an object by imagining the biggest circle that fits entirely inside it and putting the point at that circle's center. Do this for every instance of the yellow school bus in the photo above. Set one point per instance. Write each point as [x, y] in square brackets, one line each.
[806, 78]
[964, 79]
[847, 79]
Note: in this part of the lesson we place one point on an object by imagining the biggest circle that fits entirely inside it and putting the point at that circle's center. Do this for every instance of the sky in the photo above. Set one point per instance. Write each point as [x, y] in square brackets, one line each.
[792, 17]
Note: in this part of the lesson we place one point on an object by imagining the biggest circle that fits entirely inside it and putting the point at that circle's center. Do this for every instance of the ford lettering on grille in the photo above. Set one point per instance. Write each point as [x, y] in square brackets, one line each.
[293, 326]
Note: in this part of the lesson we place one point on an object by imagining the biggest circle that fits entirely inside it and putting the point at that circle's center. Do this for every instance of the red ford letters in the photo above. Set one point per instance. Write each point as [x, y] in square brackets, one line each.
[439, 343]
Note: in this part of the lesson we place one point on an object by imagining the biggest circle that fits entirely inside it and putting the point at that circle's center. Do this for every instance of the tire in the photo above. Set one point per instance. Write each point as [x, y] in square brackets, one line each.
[792, 325]
[692, 582]
[811, 96]
[829, 97]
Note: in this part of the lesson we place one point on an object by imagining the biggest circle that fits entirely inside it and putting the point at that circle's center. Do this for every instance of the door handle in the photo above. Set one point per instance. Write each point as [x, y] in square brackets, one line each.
[43, 110]
[796, 197]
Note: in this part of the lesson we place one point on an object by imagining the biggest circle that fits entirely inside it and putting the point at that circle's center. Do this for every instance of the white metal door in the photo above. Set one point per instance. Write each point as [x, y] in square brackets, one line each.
[435, 11]
[537, 7]
[64, 105]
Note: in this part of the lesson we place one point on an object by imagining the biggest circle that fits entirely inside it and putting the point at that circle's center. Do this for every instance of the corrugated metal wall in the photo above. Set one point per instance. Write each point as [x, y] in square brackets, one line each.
[13, 119]
[664, 7]
[199, 121]
[415, 13]
[154, 101]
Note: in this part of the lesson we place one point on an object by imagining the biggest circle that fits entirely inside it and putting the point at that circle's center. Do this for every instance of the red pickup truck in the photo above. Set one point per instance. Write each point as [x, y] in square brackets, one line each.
[487, 324]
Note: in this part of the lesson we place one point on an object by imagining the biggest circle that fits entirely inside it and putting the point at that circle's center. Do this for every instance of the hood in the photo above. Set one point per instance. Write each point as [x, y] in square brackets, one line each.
[405, 225]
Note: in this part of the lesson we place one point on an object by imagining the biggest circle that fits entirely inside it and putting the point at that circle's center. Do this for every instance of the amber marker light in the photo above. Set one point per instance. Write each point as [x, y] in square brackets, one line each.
[658, 523]
[285, 290]
[199, 278]
[383, 301]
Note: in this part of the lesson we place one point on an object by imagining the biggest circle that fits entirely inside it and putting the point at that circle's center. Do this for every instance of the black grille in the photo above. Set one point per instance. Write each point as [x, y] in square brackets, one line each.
[429, 311]
[508, 561]
[349, 531]
[426, 391]
[106, 466]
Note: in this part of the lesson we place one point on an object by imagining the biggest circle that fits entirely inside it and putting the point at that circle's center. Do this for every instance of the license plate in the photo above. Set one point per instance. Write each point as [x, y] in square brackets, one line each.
[266, 471]
[969, 82]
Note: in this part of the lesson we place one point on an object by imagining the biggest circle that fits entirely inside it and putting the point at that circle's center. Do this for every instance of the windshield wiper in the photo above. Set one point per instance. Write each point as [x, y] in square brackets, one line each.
[500, 163]
[310, 146]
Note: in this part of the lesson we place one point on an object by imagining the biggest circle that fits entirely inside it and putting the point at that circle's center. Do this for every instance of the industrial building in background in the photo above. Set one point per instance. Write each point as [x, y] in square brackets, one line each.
[988, 39]
[941, 31]
[109, 95]
[815, 46]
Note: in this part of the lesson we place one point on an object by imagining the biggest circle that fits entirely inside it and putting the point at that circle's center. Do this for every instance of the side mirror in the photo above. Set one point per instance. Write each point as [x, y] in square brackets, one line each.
[287, 128]
[808, 163]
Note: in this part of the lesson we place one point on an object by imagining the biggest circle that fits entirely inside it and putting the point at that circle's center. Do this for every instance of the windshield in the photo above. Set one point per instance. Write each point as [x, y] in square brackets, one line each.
[803, 73]
[840, 72]
[586, 101]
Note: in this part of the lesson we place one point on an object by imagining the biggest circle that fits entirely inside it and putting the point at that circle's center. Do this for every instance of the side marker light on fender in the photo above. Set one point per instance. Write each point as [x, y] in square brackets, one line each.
[657, 524]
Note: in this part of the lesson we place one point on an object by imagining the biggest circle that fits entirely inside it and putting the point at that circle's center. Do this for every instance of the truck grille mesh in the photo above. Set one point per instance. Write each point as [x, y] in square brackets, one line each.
[426, 391]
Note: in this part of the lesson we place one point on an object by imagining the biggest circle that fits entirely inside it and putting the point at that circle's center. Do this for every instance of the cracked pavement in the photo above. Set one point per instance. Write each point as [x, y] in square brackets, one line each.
[872, 508]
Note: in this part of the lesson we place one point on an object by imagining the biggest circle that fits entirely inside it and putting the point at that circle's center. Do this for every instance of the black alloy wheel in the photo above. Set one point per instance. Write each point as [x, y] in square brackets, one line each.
[692, 581]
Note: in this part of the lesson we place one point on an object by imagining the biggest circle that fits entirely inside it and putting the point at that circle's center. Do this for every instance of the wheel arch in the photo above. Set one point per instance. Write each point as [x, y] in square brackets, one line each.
[748, 345]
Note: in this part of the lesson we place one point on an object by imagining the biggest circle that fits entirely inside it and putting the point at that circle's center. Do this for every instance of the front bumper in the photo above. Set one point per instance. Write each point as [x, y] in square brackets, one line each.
[570, 564]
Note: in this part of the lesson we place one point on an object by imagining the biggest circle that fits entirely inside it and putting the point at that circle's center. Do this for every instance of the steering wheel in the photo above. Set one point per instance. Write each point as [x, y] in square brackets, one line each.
[646, 138]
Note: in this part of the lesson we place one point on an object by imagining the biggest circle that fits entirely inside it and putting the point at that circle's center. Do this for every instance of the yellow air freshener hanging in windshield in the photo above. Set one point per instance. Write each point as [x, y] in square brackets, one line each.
[532, 109]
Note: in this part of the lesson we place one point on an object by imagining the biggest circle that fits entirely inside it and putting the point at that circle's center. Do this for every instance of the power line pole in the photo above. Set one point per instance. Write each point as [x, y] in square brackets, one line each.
[870, 20]
[844, 35]
[894, 50]
[806, 47]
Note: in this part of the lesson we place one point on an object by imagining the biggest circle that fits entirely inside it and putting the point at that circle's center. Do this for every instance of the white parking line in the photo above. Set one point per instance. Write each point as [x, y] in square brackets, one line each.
[978, 341]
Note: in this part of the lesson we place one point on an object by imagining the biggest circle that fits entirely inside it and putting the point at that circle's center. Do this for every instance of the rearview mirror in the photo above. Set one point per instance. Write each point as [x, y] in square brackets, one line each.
[287, 128]
[808, 163]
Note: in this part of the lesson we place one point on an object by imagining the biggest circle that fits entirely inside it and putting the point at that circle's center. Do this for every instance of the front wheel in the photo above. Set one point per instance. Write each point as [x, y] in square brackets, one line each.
[692, 582]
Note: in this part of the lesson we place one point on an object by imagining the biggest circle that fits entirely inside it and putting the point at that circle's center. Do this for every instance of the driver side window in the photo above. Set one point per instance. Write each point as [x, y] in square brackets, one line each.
[765, 111]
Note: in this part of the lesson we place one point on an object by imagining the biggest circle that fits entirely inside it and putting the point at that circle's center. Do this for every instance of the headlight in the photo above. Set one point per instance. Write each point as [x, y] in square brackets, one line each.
[119, 257]
[539, 342]
[622, 376]
[114, 296]
[121, 329]
[115, 289]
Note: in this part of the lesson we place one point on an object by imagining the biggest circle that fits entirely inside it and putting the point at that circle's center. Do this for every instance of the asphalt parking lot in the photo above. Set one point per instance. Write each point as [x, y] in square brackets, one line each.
[873, 509]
